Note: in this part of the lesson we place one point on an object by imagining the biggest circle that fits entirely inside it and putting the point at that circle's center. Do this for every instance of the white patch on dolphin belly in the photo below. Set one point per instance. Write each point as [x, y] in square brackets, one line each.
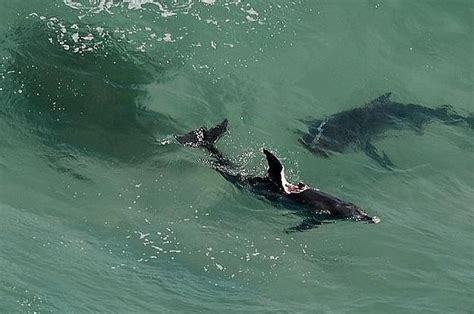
[288, 187]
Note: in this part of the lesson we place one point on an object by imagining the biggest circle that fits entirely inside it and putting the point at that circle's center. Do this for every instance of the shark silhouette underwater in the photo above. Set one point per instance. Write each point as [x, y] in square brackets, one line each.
[315, 206]
[356, 128]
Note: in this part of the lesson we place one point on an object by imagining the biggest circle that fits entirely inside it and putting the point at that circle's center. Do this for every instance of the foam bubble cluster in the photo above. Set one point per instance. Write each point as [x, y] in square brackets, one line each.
[73, 37]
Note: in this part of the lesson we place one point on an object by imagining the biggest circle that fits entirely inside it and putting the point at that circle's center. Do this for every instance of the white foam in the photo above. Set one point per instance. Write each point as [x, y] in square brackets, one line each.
[209, 2]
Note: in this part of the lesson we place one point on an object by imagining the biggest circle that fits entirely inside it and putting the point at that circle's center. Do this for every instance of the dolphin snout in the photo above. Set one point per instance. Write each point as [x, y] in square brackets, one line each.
[375, 220]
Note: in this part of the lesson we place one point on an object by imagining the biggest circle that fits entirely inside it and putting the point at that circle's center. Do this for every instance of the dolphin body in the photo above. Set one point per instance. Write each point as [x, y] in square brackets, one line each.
[315, 206]
[356, 128]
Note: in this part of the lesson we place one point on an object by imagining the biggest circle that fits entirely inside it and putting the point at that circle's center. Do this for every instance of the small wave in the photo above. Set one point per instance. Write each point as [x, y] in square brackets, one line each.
[97, 6]
[83, 86]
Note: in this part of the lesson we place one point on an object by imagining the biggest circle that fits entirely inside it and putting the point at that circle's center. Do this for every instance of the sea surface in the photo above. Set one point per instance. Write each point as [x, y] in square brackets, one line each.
[102, 211]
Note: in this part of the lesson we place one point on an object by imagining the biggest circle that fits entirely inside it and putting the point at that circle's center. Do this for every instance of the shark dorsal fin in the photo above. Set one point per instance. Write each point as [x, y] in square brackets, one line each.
[381, 100]
[275, 168]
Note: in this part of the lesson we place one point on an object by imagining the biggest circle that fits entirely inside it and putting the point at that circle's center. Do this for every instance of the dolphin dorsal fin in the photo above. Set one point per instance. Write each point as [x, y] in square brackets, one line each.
[275, 168]
[276, 174]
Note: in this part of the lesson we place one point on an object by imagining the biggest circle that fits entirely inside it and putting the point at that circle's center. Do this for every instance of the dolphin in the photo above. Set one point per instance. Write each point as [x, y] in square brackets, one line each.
[315, 206]
[356, 128]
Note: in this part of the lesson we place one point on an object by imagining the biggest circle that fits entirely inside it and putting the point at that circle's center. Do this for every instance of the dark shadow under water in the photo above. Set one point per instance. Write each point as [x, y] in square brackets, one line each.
[80, 89]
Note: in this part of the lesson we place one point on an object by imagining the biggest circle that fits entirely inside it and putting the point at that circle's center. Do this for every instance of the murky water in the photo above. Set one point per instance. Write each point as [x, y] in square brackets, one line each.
[102, 211]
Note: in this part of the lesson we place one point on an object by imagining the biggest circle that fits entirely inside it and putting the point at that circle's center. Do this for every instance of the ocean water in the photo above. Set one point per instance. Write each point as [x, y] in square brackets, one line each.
[101, 211]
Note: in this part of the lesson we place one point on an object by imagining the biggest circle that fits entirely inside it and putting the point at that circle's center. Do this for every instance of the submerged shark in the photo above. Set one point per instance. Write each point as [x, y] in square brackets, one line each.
[356, 128]
[315, 206]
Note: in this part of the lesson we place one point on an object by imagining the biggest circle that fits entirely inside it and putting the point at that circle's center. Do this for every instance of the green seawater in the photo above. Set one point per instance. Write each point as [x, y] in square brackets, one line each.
[101, 211]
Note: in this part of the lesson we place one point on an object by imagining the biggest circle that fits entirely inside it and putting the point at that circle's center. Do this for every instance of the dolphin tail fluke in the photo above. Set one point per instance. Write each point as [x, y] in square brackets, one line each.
[470, 120]
[203, 137]
[207, 138]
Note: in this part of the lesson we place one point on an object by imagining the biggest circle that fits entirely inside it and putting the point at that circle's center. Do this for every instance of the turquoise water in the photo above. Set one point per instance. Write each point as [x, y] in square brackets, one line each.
[101, 211]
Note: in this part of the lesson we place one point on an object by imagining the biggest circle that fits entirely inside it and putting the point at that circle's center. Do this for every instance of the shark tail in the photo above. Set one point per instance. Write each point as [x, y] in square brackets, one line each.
[449, 116]
[203, 137]
[470, 120]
